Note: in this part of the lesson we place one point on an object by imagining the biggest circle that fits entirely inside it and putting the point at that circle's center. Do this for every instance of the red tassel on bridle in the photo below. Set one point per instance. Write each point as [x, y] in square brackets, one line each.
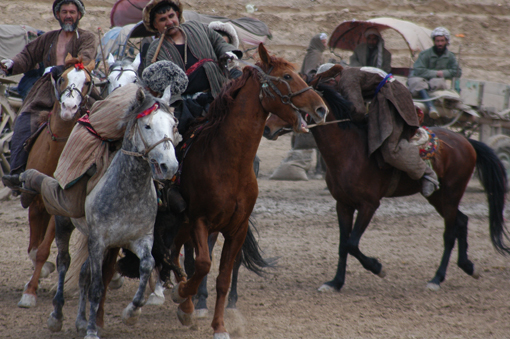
[148, 111]
[79, 66]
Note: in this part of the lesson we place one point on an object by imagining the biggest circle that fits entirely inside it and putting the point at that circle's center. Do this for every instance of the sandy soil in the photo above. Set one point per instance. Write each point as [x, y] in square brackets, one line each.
[297, 220]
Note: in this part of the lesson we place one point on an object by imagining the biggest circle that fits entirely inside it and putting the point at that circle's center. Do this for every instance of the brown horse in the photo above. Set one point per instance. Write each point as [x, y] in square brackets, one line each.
[358, 183]
[217, 179]
[73, 84]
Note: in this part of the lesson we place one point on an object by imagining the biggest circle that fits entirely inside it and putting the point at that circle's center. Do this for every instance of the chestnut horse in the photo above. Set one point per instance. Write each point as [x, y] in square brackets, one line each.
[217, 179]
[358, 183]
[72, 88]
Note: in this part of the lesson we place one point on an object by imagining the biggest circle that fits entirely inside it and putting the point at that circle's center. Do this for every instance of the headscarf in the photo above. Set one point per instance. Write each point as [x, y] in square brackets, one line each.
[313, 57]
[440, 31]
[380, 44]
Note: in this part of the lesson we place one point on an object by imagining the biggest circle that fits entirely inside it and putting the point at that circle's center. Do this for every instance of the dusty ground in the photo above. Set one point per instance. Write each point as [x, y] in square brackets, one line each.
[297, 221]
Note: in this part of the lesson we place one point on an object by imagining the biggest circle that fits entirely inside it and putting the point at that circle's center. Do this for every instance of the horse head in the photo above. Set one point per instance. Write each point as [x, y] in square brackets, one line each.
[122, 72]
[73, 85]
[285, 93]
[152, 134]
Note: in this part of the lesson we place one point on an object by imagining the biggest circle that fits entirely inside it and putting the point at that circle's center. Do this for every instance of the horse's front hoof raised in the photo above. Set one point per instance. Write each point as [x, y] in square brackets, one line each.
[186, 319]
[27, 301]
[54, 324]
[433, 286]
[131, 314]
[175, 294]
[47, 269]
[223, 335]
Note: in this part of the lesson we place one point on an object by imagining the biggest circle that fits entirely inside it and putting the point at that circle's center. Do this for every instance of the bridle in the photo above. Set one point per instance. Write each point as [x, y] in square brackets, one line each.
[121, 71]
[147, 147]
[267, 83]
[71, 88]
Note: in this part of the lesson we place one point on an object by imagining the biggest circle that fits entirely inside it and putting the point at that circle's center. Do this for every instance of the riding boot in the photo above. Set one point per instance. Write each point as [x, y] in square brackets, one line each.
[433, 113]
[29, 181]
[429, 182]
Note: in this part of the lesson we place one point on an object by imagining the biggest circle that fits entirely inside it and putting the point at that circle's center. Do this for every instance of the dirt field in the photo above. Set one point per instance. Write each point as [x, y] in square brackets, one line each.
[297, 220]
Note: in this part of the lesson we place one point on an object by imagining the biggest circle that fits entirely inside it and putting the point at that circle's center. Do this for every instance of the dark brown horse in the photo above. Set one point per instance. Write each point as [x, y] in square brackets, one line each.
[73, 86]
[358, 183]
[218, 181]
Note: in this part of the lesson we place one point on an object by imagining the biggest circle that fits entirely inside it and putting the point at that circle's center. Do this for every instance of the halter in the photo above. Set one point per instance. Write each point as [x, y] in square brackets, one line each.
[148, 147]
[72, 88]
[266, 82]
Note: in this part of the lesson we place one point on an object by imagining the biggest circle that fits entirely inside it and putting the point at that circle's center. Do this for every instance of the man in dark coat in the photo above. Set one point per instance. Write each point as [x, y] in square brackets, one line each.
[51, 49]
[392, 121]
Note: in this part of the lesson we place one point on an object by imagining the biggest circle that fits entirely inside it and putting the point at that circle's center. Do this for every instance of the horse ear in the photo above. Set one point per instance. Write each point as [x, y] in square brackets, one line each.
[68, 57]
[140, 95]
[111, 60]
[264, 56]
[167, 95]
[137, 61]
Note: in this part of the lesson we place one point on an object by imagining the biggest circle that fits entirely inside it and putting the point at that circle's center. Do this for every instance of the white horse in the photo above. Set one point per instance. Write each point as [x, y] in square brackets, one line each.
[122, 72]
[121, 210]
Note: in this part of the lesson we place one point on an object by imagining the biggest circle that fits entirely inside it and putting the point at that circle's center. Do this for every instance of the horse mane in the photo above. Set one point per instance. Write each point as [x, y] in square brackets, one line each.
[44, 116]
[124, 62]
[220, 107]
[338, 105]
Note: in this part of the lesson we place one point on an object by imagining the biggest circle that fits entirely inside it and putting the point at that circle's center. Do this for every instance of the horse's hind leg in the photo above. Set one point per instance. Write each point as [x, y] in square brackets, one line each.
[108, 272]
[96, 288]
[232, 295]
[64, 227]
[81, 318]
[142, 248]
[463, 262]
[41, 237]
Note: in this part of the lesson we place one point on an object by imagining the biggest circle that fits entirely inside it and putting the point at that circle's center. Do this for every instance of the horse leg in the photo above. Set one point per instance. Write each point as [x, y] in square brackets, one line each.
[41, 237]
[142, 248]
[462, 233]
[81, 317]
[345, 216]
[232, 295]
[96, 288]
[184, 290]
[231, 249]
[64, 228]
[108, 272]
[202, 294]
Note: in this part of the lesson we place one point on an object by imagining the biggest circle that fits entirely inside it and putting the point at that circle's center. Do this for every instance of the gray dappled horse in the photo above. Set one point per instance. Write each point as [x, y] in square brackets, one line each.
[121, 209]
[122, 72]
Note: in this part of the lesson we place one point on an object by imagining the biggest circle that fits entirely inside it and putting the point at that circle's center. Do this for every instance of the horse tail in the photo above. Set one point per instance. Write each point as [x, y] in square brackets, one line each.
[492, 174]
[79, 255]
[251, 257]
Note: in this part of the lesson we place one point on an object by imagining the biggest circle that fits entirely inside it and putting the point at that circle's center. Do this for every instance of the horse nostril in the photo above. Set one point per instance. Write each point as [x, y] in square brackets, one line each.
[267, 131]
[164, 167]
[321, 111]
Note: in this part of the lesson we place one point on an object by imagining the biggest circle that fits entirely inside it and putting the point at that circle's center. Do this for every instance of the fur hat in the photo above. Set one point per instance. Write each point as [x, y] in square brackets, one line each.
[146, 13]
[226, 28]
[58, 3]
[163, 73]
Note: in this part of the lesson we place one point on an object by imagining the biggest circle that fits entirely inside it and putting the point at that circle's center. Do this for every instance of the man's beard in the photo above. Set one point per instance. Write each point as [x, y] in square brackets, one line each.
[68, 27]
[439, 51]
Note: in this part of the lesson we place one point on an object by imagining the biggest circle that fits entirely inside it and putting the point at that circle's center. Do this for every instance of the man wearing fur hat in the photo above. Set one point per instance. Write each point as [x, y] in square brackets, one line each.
[51, 49]
[372, 53]
[433, 67]
[193, 46]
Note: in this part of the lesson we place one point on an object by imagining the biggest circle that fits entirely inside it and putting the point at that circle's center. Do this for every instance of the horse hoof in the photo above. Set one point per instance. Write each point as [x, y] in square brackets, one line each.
[155, 300]
[27, 301]
[186, 319]
[54, 324]
[81, 327]
[223, 335]
[47, 269]
[476, 273]
[201, 313]
[175, 294]
[131, 314]
[433, 287]
[325, 288]
[382, 274]
[91, 335]
[116, 282]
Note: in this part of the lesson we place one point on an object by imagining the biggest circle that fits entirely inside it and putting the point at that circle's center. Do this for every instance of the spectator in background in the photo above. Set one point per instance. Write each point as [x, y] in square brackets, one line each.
[372, 53]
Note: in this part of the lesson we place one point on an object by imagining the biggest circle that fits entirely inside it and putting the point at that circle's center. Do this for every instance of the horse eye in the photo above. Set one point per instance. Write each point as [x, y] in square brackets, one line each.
[147, 126]
[287, 77]
[87, 83]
